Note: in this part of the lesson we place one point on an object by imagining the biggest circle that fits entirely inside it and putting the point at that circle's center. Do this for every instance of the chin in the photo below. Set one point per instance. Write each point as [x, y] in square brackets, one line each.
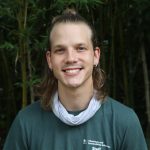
[74, 85]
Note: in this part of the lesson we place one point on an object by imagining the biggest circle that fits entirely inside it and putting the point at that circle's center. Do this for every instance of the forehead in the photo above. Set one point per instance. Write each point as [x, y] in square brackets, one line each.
[70, 31]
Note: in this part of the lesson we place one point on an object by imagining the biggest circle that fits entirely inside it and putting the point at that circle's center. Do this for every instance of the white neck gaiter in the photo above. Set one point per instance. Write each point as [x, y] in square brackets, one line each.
[69, 119]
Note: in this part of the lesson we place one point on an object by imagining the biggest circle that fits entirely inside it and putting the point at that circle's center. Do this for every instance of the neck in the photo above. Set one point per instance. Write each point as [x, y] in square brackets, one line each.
[75, 99]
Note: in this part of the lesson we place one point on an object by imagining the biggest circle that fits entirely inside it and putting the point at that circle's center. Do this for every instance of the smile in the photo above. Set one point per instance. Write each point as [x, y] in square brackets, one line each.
[72, 70]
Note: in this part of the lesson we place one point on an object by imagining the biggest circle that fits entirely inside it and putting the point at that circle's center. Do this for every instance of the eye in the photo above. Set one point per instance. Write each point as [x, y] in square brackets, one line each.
[59, 51]
[81, 48]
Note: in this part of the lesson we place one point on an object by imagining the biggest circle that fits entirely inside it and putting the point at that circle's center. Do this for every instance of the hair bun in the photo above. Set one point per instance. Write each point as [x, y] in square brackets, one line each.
[70, 11]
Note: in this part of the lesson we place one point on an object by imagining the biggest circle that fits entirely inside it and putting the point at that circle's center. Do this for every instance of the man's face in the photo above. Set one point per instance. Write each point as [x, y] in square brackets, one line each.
[72, 57]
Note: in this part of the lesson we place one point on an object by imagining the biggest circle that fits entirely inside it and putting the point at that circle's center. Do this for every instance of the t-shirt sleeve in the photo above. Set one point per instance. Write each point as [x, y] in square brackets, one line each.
[16, 138]
[133, 138]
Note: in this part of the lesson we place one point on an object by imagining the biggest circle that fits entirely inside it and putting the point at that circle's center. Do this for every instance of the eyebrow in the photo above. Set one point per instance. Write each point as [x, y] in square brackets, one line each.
[77, 44]
[81, 44]
[59, 46]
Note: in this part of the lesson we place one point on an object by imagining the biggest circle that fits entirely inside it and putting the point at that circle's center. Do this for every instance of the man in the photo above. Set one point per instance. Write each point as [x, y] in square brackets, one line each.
[74, 113]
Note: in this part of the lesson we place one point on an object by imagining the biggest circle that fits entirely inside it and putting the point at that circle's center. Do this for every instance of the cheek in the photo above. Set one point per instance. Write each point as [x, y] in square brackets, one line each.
[56, 64]
[56, 69]
[89, 59]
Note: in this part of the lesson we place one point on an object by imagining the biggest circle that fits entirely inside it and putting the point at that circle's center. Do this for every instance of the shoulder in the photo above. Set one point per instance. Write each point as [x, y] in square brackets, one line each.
[32, 112]
[31, 109]
[116, 107]
[120, 113]
[125, 124]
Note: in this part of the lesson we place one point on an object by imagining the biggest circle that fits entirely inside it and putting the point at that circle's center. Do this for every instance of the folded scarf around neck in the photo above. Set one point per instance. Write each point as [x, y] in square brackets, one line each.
[60, 111]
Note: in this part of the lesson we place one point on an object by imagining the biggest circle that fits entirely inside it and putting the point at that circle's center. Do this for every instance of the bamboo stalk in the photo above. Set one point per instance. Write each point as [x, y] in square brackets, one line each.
[22, 18]
[24, 78]
[112, 57]
[124, 66]
[146, 84]
[30, 77]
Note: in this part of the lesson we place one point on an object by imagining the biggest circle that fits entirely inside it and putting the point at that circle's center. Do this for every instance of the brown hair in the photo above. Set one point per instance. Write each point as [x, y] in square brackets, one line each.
[48, 87]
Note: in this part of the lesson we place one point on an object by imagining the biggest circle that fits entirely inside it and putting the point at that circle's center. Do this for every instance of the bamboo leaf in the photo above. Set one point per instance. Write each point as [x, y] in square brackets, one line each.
[7, 45]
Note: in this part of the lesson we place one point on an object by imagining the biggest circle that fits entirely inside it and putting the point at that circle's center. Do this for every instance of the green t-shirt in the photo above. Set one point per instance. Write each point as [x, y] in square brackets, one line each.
[113, 127]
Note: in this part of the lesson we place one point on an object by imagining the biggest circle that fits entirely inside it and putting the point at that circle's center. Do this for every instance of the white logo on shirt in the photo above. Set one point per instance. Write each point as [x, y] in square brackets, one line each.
[96, 143]
[94, 148]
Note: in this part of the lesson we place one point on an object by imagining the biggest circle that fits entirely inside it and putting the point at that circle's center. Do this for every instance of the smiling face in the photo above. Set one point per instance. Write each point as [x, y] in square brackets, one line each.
[72, 56]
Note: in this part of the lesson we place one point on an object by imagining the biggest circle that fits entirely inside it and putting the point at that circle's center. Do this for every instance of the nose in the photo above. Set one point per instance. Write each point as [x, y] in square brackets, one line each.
[71, 56]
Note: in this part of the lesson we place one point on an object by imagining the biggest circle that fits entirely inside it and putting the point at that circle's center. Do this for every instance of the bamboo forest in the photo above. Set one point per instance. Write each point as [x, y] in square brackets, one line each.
[123, 31]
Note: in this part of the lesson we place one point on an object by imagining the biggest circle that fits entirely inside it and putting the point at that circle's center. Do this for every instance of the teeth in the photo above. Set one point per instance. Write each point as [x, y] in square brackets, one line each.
[72, 71]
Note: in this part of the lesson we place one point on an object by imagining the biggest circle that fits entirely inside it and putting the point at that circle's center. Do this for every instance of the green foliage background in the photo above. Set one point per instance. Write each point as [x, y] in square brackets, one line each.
[122, 27]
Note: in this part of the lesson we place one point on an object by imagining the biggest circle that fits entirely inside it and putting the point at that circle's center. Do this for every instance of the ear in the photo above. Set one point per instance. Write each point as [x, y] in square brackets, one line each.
[96, 56]
[48, 58]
